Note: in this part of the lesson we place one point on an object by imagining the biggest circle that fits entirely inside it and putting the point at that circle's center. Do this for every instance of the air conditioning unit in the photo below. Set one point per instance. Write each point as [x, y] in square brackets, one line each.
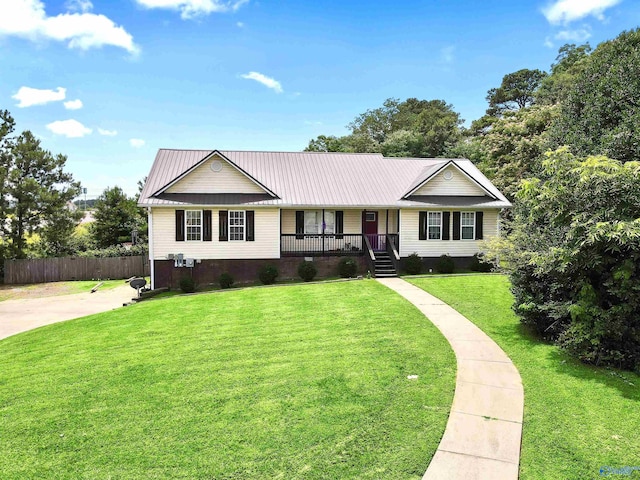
[179, 260]
[189, 263]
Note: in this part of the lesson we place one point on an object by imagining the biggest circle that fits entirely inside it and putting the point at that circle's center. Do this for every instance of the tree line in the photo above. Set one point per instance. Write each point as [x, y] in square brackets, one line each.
[564, 147]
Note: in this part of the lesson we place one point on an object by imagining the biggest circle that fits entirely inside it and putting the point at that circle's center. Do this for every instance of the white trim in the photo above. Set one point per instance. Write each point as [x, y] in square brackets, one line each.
[441, 222]
[205, 159]
[186, 235]
[244, 226]
[434, 174]
[473, 225]
[150, 232]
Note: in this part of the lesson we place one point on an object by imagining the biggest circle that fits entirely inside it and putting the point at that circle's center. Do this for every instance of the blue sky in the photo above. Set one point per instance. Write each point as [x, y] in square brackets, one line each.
[107, 83]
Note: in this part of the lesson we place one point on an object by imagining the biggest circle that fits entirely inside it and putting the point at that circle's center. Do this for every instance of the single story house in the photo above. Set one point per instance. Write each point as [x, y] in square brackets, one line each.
[214, 211]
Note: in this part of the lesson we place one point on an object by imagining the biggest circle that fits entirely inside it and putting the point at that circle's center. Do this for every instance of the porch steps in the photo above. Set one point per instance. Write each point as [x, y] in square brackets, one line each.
[383, 266]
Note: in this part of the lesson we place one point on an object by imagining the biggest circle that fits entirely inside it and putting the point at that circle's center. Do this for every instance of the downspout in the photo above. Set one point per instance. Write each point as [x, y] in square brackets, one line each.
[150, 235]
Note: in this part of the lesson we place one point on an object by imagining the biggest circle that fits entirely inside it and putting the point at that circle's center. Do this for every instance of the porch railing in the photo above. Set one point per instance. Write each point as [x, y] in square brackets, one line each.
[321, 244]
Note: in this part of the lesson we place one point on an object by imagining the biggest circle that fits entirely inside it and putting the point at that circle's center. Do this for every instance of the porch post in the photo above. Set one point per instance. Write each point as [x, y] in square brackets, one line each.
[386, 227]
[322, 236]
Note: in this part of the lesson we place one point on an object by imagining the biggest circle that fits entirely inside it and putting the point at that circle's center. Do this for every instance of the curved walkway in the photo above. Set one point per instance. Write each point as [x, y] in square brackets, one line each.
[28, 313]
[482, 438]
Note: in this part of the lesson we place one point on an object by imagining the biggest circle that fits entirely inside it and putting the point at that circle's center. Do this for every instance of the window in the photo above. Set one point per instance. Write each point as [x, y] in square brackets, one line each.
[467, 225]
[193, 222]
[434, 225]
[236, 225]
[370, 216]
[313, 222]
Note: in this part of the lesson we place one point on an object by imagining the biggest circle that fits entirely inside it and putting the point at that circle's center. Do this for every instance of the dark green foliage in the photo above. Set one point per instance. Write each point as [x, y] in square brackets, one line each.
[116, 215]
[413, 264]
[347, 268]
[114, 251]
[516, 91]
[445, 264]
[478, 264]
[600, 116]
[268, 274]
[574, 257]
[307, 271]
[413, 128]
[570, 63]
[225, 280]
[187, 285]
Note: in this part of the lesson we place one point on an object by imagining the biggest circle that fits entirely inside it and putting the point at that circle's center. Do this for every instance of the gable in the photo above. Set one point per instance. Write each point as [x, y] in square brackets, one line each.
[450, 182]
[215, 175]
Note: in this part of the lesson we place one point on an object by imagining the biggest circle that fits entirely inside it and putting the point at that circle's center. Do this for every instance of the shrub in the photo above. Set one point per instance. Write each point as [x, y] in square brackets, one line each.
[445, 264]
[268, 274]
[225, 280]
[307, 271]
[479, 265]
[347, 268]
[187, 285]
[413, 264]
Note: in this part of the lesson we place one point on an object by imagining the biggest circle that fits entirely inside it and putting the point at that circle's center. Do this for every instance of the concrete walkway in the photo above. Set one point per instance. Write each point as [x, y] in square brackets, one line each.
[28, 313]
[482, 438]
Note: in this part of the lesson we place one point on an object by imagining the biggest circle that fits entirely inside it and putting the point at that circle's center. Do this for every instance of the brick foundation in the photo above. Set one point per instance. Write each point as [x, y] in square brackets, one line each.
[244, 271]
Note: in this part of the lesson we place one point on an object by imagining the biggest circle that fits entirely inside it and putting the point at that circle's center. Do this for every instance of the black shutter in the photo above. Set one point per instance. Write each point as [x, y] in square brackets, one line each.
[251, 234]
[179, 225]
[479, 216]
[299, 224]
[206, 226]
[456, 225]
[446, 216]
[422, 226]
[339, 224]
[223, 225]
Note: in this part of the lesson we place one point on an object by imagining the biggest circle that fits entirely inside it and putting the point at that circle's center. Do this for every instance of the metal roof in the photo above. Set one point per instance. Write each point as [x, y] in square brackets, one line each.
[308, 178]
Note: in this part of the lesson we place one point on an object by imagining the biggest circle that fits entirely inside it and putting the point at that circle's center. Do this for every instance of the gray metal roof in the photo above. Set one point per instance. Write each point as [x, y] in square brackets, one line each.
[309, 178]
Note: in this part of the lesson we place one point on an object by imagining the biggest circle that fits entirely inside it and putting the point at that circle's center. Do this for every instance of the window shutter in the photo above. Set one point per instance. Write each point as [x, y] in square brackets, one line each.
[250, 234]
[206, 226]
[223, 224]
[479, 218]
[179, 225]
[445, 225]
[299, 224]
[339, 224]
[456, 225]
[422, 226]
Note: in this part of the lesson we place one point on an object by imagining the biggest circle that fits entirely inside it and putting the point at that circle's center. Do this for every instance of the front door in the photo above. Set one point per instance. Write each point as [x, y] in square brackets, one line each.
[370, 221]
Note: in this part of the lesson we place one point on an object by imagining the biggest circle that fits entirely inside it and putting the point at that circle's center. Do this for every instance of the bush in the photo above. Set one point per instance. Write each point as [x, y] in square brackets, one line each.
[187, 285]
[413, 264]
[307, 271]
[479, 265]
[268, 274]
[225, 280]
[347, 268]
[445, 264]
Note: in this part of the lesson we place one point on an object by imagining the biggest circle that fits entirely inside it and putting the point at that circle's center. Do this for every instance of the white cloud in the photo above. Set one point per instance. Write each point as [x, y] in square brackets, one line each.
[27, 19]
[567, 11]
[28, 96]
[73, 105]
[240, 24]
[193, 8]
[107, 133]
[79, 5]
[136, 142]
[69, 128]
[548, 43]
[579, 35]
[264, 80]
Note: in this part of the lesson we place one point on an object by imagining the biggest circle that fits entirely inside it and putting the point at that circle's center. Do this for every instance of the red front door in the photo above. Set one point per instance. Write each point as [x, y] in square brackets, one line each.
[370, 221]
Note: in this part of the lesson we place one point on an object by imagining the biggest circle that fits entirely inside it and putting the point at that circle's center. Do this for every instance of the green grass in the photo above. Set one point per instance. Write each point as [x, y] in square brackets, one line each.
[305, 381]
[577, 418]
[38, 290]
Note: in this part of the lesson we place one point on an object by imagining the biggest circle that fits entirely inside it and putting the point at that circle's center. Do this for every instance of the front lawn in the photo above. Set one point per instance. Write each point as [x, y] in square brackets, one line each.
[578, 419]
[306, 381]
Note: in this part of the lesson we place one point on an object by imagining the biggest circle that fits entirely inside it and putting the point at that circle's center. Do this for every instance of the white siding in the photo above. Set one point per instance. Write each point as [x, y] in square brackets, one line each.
[410, 243]
[205, 180]
[458, 185]
[266, 244]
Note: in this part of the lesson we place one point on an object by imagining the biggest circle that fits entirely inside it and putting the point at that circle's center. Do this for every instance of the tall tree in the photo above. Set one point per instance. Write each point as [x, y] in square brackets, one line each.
[115, 217]
[516, 91]
[601, 115]
[569, 64]
[35, 191]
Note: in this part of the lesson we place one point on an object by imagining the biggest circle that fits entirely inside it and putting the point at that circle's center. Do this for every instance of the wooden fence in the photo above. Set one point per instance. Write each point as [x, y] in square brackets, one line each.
[42, 270]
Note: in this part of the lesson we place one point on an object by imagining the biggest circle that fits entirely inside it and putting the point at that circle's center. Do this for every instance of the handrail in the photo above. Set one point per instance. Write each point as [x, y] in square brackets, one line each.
[393, 253]
[371, 258]
[369, 248]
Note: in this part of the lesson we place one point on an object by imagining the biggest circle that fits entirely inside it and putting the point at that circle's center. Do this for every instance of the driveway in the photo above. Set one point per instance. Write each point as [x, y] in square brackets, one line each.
[28, 313]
